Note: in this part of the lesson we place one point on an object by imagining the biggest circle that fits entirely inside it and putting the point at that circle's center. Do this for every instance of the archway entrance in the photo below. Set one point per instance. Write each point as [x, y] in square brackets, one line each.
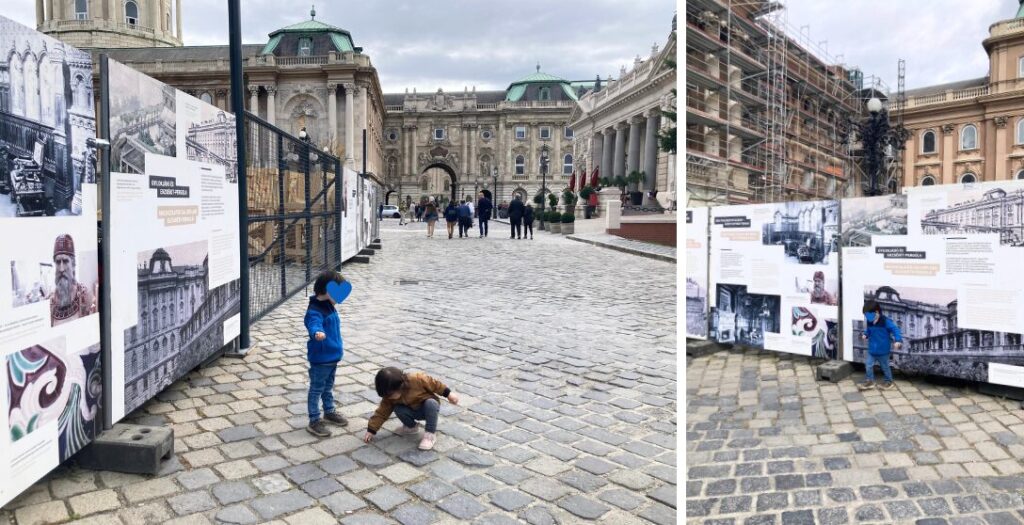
[437, 179]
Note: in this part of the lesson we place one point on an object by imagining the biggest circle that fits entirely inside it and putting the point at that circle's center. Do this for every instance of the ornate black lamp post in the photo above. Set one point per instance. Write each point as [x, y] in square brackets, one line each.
[879, 139]
[544, 181]
[494, 173]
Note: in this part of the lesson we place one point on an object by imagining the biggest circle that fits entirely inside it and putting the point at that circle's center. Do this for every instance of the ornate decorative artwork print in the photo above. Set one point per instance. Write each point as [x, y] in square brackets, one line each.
[45, 386]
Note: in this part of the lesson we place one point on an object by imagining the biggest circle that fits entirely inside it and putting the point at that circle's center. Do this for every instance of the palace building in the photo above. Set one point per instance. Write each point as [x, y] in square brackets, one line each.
[314, 75]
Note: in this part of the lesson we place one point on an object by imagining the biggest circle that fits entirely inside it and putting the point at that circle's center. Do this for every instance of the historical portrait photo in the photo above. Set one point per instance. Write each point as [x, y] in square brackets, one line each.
[47, 124]
[867, 216]
[807, 231]
[819, 289]
[68, 281]
[142, 119]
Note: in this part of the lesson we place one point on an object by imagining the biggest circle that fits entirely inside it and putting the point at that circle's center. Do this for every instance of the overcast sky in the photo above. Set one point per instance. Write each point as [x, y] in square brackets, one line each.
[452, 43]
[939, 39]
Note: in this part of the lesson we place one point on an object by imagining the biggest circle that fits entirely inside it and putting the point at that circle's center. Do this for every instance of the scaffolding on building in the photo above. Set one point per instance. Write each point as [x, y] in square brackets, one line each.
[784, 113]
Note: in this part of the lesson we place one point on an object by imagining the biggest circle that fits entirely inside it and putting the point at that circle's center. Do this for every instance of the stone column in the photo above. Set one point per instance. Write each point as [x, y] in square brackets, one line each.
[332, 114]
[949, 147]
[651, 156]
[254, 101]
[221, 101]
[177, 17]
[619, 162]
[364, 98]
[271, 105]
[596, 152]
[111, 13]
[999, 160]
[39, 13]
[633, 159]
[350, 124]
[154, 16]
[556, 155]
[473, 163]
[607, 152]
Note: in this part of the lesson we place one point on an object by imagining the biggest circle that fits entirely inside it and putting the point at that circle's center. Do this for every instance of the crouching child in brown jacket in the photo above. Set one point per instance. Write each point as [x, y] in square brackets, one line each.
[411, 397]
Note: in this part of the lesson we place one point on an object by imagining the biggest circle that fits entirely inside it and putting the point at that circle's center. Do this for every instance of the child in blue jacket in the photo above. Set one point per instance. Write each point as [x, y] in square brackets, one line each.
[879, 333]
[324, 350]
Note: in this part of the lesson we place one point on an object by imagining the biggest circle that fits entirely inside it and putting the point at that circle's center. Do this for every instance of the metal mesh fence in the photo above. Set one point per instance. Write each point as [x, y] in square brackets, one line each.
[294, 214]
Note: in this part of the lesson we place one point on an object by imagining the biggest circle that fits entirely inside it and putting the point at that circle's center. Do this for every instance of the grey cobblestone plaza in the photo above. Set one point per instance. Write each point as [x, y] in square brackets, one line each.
[768, 444]
[564, 353]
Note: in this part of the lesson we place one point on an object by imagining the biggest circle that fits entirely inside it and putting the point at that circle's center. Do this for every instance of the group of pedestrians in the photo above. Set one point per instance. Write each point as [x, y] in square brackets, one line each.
[520, 217]
[461, 215]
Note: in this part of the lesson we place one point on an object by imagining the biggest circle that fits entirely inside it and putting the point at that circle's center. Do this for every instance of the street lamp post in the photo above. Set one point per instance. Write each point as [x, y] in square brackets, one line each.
[877, 137]
[494, 197]
[544, 181]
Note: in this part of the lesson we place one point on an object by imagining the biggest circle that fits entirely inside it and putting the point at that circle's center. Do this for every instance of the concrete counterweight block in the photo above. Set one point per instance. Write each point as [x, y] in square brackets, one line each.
[701, 348]
[133, 449]
[834, 371]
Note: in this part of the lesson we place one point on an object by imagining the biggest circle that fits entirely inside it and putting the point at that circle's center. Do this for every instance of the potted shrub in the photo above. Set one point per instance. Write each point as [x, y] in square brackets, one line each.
[635, 179]
[585, 194]
[553, 201]
[538, 199]
[568, 218]
[553, 218]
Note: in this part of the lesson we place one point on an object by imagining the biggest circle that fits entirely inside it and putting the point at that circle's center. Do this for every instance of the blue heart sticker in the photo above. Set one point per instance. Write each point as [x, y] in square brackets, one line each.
[339, 291]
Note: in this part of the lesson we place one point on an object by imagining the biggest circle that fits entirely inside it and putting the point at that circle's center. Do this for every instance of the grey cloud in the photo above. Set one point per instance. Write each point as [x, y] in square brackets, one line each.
[455, 43]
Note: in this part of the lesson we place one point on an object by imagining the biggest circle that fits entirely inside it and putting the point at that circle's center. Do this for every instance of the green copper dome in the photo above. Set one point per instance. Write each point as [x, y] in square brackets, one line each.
[340, 38]
[517, 89]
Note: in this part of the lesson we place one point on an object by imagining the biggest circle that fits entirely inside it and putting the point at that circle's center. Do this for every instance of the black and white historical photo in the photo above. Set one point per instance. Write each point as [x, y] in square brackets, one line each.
[47, 124]
[181, 320]
[696, 309]
[142, 119]
[819, 290]
[212, 140]
[742, 317]
[933, 343]
[980, 210]
[809, 231]
[867, 216]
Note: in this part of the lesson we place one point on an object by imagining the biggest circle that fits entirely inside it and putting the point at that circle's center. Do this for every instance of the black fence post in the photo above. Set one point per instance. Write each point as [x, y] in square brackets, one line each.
[104, 181]
[238, 106]
[282, 228]
[308, 212]
[339, 204]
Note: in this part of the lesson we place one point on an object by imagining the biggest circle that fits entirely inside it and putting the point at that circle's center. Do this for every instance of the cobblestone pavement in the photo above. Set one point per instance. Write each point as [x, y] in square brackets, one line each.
[767, 444]
[568, 411]
[646, 249]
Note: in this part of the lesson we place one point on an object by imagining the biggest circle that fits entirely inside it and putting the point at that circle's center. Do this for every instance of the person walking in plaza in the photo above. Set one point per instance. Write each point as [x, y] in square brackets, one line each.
[880, 333]
[430, 215]
[472, 210]
[411, 397]
[528, 221]
[515, 217]
[324, 350]
[451, 216]
[483, 210]
[465, 219]
[380, 211]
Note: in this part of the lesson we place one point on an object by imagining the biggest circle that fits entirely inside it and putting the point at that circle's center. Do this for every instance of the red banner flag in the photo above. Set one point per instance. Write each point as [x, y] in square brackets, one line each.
[593, 178]
[572, 182]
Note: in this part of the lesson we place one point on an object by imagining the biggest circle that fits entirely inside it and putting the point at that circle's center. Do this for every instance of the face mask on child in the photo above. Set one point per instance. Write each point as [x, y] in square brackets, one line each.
[870, 316]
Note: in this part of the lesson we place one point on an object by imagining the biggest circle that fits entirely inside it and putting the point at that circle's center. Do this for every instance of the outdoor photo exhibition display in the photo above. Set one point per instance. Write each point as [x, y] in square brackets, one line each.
[952, 284]
[51, 383]
[774, 280]
[174, 235]
[697, 273]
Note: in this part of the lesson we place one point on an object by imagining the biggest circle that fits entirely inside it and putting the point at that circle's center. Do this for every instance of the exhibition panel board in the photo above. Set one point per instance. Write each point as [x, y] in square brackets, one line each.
[697, 273]
[51, 384]
[174, 235]
[952, 283]
[774, 279]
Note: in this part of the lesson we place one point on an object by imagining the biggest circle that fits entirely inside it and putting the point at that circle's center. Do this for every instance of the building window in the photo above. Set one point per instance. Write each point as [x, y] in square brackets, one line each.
[486, 134]
[131, 13]
[205, 97]
[305, 47]
[392, 135]
[928, 142]
[1020, 132]
[1020, 67]
[425, 184]
[520, 165]
[1020, 175]
[567, 165]
[545, 133]
[568, 132]
[968, 178]
[969, 137]
[928, 180]
[520, 132]
[82, 9]
[438, 133]
[545, 93]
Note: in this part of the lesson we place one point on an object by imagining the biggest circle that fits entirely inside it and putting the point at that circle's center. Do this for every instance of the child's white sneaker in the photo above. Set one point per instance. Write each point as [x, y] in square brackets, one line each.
[428, 441]
[403, 430]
